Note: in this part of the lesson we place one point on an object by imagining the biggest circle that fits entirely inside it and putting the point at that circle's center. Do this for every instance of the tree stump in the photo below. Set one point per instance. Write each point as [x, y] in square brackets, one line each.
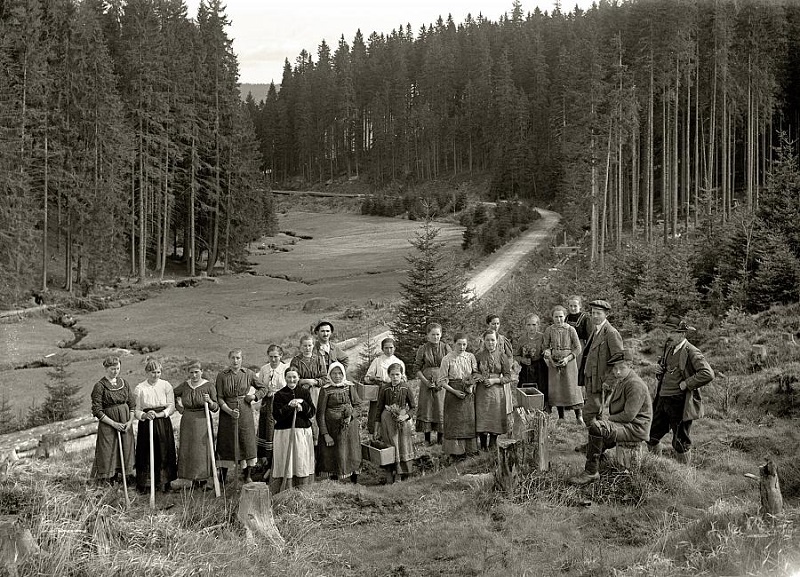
[505, 476]
[770, 490]
[50, 445]
[16, 543]
[629, 455]
[255, 513]
[7, 460]
[530, 427]
[759, 354]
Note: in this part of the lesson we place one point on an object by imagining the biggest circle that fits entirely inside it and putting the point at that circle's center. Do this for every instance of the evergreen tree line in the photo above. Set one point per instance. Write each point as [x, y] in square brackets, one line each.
[492, 228]
[641, 116]
[122, 141]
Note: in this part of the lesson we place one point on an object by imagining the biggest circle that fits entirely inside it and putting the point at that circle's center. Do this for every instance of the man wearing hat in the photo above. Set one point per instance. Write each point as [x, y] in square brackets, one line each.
[630, 413]
[604, 343]
[329, 352]
[682, 370]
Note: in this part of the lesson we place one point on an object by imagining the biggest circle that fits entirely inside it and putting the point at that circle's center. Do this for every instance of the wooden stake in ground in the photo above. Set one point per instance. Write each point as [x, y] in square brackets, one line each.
[237, 464]
[152, 468]
[531, 428]
[285, 483]
[255, 513]
[770, 490]
[122, 465]
[217, 491]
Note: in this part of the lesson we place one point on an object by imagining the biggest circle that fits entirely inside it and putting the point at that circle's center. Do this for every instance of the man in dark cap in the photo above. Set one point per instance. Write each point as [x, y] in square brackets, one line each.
[630, 413]
[604, 343]
[682, 370]
[329, 352]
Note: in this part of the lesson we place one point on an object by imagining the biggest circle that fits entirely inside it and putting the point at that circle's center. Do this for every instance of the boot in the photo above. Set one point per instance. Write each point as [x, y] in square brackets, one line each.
[654, 449]
[223, 474]
[579, 418]
[427, 439]
[684, 458]
[581, 448]
[482, 437]
[439, 438]
[354, 478]
[492, 441]
[584, 478]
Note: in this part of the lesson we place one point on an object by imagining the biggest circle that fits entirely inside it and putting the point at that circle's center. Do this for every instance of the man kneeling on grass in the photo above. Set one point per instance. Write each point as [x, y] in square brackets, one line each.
[630, 412]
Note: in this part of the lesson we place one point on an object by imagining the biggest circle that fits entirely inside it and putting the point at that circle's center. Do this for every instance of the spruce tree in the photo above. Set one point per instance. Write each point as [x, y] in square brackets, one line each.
[435, 291]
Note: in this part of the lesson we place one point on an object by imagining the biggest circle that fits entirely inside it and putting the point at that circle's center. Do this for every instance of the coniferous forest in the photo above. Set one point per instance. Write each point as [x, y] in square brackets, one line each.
[634, 119]
[122, 135]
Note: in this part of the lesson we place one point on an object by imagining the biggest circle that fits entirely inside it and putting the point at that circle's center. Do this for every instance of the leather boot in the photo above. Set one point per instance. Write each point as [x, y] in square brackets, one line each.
[684, 458]
[354, 477]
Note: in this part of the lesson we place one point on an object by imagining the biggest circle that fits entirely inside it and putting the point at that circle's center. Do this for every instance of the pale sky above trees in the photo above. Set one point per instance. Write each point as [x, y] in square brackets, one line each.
[266, 33]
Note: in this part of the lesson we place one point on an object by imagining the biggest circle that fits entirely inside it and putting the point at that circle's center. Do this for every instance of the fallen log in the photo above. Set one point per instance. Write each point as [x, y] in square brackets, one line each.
[770, 490]
[25, 442]
[255, 513]
[22, 312]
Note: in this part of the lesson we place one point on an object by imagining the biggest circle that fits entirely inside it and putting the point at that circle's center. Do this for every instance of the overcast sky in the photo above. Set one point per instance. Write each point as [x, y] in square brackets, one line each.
[266, 32]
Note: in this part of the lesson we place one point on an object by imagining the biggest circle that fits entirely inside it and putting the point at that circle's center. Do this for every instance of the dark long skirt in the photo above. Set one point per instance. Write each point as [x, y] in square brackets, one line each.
[459, 422]
[344, 456]
[106, 453]
[266, 430]
[166, 465]
[226, 435]
[194, 458]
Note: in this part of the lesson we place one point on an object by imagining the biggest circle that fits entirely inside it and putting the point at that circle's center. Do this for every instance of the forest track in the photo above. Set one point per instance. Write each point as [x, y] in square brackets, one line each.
[498, 266]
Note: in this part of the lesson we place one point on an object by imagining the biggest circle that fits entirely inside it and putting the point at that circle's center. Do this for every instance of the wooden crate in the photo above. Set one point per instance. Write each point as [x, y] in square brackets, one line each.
[379, 457]
[528, 398]
[367, 392]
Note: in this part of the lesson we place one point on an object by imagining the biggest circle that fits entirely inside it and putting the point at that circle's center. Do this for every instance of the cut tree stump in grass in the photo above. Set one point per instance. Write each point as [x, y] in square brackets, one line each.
[255, 513]
[770, 490]
[526, 452]
[629, 455]
[759, 353]
[531, 428]
[50, 445]
[16, 543]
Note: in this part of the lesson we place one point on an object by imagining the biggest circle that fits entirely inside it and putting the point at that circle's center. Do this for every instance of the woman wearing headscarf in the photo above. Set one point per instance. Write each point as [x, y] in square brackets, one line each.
[155, 402]
[430, 415]
[271, 374]
[492, 391]
[561, 350]
[293, 411]
[191, 398]
[113, 404]
[337, 417]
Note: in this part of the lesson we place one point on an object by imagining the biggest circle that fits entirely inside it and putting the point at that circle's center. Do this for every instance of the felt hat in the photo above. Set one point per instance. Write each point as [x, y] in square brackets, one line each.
[600, 304]
[620, 357]
[677, 324]
[322, 323]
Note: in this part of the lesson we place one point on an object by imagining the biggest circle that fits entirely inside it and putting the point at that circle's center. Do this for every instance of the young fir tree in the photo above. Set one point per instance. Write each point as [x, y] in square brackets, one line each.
[436, 291]
[61, 402]
[369, 350]
[8, 420]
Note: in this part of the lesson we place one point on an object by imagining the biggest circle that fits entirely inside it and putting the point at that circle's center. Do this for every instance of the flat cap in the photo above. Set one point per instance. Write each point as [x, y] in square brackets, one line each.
[600, 304]
[677, 324]
[621, 357]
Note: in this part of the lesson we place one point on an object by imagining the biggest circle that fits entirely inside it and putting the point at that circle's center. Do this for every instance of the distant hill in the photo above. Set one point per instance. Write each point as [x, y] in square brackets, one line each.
[259, 91]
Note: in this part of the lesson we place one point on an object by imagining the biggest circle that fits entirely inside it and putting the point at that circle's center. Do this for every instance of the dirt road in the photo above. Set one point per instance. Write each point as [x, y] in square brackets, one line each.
[497, 266]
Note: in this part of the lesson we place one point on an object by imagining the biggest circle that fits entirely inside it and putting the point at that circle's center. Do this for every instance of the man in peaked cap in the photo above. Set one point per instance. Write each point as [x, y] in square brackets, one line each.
[604, 342]
[630, 413]
[682, 370]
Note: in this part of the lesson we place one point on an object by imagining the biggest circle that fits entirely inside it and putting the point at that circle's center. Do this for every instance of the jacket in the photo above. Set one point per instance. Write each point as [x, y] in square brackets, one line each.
[594, 364]
[630, 403]
[696, 373]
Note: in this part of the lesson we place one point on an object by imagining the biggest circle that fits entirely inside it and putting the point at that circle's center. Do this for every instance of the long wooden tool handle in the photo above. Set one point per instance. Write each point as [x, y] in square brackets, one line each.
[122, 465]
[286, 483]
[152, 468]
[217, 491]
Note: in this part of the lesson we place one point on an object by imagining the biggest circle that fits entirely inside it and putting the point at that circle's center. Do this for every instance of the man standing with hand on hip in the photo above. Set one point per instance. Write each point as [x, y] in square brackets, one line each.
[682, 370]
[604, 343]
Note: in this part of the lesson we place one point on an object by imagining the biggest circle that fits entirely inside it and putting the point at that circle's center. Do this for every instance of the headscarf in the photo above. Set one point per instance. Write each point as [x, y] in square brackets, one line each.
[330, 383]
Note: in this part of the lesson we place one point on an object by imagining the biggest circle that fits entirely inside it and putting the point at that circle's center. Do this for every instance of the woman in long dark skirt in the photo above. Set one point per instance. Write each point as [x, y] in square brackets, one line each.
[113, 404]
[528, 351]
[155, 402]
[191, 398]
[337, 416]
[430, 415]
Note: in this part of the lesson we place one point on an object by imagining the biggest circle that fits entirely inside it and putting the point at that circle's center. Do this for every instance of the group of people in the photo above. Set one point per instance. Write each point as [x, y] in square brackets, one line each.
[309, 420]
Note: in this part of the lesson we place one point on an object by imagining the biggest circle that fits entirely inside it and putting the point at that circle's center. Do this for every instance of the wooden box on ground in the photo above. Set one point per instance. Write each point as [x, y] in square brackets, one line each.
[528, 397]
[367, 392]
[378, 457]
